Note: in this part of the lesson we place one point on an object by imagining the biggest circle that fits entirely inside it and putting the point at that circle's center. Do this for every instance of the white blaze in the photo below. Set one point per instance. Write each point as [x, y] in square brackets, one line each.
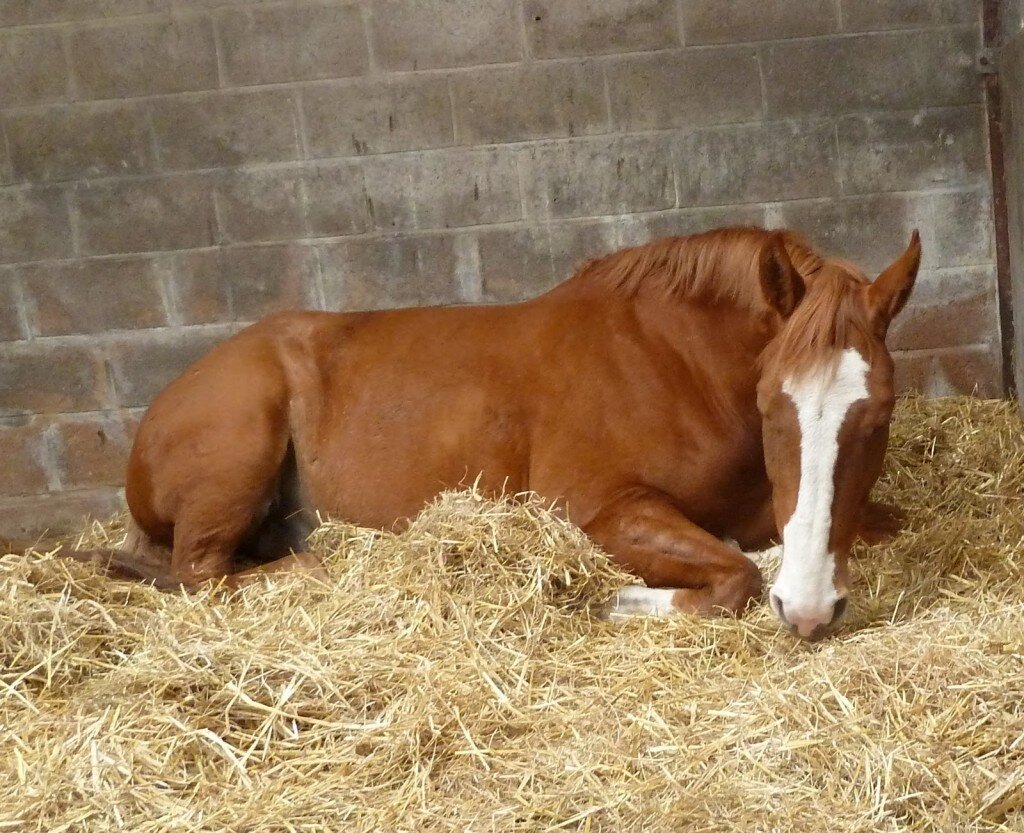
[805, 583]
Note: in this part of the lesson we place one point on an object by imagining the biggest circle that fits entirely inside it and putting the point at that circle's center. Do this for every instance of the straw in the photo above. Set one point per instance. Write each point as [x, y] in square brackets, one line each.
[457, 677]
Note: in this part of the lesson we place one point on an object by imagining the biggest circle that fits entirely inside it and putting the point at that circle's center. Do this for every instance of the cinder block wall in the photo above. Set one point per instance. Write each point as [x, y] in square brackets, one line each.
[1011, 77]
[170, 169]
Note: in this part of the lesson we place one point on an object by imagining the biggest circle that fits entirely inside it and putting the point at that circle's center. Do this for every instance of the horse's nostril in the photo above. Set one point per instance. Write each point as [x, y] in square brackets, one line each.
[819, 633]
[779, 609]
[839, 610]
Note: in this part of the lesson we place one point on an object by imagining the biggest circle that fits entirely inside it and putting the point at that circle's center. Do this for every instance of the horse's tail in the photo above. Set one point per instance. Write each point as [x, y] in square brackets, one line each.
[137, 559]
[120, 564]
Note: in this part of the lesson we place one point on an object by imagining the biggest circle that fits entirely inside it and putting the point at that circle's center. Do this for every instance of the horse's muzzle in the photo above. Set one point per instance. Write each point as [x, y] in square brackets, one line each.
[810, 628]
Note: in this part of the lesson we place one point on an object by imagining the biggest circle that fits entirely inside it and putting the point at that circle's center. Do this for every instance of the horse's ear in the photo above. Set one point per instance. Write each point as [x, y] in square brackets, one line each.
[781, 284]
[891, 289]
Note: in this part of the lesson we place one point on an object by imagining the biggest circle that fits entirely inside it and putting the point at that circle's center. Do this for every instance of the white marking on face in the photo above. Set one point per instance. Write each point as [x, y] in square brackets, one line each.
[805, 584]
[636, 600]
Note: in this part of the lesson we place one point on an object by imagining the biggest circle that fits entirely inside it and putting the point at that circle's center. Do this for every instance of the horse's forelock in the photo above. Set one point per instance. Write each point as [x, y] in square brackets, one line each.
[832, 311]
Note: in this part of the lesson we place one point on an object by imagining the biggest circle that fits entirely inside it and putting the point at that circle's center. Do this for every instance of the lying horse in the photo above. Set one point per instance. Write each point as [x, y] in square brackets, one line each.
[728, 386]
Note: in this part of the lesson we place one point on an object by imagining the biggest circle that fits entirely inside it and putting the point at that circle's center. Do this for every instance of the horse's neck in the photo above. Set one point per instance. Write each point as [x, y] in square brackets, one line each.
[724, 327]
[719, 344]
[721, 340]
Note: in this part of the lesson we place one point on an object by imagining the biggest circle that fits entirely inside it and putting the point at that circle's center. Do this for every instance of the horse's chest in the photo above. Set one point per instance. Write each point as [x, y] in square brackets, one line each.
[729, 495]
[730, 462]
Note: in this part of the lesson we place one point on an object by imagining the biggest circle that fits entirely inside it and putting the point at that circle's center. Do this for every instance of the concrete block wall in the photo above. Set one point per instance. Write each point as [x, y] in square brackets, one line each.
[171, 169]
[1011, 81]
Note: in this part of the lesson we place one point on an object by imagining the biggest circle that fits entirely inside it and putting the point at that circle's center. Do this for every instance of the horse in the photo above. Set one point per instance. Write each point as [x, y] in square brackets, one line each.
[685, 402]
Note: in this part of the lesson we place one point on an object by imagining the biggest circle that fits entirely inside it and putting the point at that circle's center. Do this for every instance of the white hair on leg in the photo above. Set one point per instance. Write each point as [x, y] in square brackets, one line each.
[637, 600]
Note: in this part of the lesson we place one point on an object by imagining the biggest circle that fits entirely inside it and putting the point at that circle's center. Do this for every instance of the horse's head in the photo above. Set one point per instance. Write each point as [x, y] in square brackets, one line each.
[826, 397]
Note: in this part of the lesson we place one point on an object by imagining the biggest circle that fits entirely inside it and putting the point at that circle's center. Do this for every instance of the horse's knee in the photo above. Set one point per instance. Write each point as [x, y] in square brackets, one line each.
[738, 590]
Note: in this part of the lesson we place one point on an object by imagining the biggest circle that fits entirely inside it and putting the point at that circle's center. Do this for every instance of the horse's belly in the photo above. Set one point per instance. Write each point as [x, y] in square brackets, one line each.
[387, 456]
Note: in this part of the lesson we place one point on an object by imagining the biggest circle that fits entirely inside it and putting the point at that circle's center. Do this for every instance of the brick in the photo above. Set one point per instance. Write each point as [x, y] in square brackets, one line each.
[23, 450]
[873, 15]
[41, 377]
[962, 370]
[888, 71]
[1012, 17]
[76, 142]
[20, 12]
[637, 229]
[903, 152]
[11, 328]
[731, 21]
[33, 67]
[428, 34]
[92, 296]
[574, 243]
[948, 308]
[557, 28]
[755, 164]
[150, 214]
[515, 263]
[6, 172]
[961, 229]
[144, 364]
[377, 116]
[871, 231]
[531, 102]
[597, 176]
[34, 224]
[243, 283]
[93, 450]
[144, 57]
[261, 205]
[226, 129]
[59, 513]
[390, 272]
[292, 43]
[688, 89]
[337, 202]
[441, 189]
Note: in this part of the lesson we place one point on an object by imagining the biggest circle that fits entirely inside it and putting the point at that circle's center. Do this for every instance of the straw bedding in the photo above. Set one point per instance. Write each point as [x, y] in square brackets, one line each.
[456, 677]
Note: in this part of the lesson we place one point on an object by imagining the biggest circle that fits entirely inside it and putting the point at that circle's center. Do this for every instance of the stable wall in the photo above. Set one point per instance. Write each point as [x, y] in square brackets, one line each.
[171, 170]
[1011, 77]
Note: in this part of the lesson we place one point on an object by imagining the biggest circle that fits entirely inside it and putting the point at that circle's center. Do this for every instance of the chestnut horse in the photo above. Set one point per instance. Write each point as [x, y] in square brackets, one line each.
[672, 398]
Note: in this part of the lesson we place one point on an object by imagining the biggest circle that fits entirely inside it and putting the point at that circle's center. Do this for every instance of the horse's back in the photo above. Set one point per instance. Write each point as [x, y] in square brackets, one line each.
[379, 411]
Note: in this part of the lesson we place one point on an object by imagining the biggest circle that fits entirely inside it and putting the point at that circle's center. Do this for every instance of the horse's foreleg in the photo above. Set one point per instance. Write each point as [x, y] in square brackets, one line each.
[685, 568]
[881, 523]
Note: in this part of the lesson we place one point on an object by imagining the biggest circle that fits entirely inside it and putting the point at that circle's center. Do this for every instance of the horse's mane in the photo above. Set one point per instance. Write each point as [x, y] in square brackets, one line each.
[724, 266]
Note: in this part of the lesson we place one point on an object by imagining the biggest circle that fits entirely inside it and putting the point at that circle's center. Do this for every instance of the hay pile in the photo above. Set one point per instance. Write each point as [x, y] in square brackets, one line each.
[455, 678]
